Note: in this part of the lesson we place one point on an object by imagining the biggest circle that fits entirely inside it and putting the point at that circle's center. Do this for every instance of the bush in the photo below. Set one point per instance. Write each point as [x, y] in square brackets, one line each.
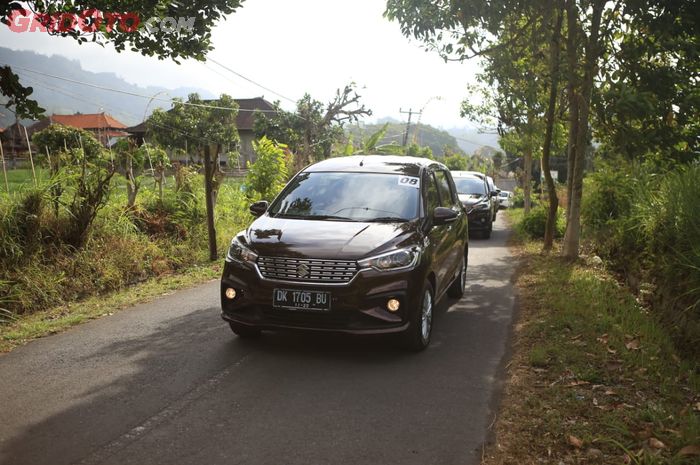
[533, 224]
[648, 228]
[268, 175]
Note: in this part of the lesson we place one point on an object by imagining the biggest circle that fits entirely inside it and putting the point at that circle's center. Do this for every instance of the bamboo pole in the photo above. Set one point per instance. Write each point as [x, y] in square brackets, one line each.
[31, 159]
[4, 169]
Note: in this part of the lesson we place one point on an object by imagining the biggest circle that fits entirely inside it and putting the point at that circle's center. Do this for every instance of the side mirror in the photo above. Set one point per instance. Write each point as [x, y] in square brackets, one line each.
[495, 193]
[442, 215]
[259, 208]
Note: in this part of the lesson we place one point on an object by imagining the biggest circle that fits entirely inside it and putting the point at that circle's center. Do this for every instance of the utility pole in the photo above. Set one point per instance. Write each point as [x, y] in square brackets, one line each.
[410, 113]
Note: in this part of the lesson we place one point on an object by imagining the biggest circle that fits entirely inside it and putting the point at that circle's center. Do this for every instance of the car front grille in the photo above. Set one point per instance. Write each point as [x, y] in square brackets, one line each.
[307, 270]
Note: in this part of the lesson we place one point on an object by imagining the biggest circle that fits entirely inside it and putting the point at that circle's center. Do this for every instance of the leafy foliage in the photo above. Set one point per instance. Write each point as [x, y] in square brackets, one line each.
[311, 132]
[270, 172]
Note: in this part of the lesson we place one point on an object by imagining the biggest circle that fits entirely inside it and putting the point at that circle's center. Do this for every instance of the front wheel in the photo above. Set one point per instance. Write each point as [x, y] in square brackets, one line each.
[456, 290]
[244, 331]
[417, 336]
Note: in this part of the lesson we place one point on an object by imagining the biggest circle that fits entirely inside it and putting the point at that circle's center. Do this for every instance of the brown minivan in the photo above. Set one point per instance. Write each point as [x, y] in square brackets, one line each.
[361, 244]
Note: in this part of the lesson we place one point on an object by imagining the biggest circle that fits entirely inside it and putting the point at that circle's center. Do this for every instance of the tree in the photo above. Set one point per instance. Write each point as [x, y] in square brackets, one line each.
[312, 130]
[268, 175]
[459, 30]
[203, 125]
[121, 23]
[130, 161]
[86, 168]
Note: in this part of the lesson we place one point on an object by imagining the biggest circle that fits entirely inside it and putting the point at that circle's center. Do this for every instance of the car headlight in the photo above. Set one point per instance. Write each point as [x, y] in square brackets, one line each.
[240, 253]
[394, 260]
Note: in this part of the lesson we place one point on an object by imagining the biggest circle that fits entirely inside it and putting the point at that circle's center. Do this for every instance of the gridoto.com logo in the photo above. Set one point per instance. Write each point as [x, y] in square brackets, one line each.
[93, 20]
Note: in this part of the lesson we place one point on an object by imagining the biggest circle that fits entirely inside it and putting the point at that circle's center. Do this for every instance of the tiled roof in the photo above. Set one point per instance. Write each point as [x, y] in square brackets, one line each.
[88, 121]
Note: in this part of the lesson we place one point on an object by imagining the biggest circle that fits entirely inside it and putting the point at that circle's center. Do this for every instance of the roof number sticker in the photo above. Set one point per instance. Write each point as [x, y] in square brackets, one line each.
[409, 181]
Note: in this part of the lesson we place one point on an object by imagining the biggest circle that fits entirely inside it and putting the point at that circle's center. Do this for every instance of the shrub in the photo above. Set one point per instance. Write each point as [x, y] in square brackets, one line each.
[268, 175]
[533, 224]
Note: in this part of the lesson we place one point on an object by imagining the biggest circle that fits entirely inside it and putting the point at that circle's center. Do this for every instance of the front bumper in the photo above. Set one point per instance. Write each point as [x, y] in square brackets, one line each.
[479, 219]
[358, 307]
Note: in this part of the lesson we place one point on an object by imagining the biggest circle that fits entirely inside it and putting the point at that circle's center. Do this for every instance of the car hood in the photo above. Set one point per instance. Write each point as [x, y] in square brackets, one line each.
[471, 199]
[282, 237]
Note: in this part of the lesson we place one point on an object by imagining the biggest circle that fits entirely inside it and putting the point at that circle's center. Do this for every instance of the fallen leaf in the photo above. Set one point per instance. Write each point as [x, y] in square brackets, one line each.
[610, 392]
[626, 459]
[611, 351]
[697, 407]
[656, 444]
[575, 442]
[689, 450]
[632, 345]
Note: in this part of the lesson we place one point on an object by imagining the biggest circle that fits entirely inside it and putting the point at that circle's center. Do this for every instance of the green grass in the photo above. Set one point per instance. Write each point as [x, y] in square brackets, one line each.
[591, 362]
[25, 328]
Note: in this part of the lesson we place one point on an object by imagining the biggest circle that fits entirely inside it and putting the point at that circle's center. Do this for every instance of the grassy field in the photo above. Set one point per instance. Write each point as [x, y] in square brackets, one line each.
[131, 255]
[594, 378]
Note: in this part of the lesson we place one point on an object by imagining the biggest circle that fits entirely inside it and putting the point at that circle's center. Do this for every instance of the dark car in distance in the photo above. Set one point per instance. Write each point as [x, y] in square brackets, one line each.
[361, 245]
[478, 199]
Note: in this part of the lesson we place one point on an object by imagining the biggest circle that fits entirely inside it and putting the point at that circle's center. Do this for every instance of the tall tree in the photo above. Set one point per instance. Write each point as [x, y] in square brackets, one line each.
[311, 131]
[122, 23]
[205, 126]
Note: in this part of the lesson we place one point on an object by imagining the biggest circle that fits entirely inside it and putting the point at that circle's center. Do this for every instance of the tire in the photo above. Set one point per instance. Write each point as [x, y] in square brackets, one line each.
[486, 233]
[417, 336]
[456, 289]
[244, 331]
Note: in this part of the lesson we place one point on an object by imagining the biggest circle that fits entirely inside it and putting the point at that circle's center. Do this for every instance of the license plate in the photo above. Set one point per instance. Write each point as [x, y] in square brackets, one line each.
[292, 299]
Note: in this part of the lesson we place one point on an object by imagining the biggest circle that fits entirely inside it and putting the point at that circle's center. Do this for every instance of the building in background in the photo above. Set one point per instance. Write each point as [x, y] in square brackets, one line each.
[106, 129]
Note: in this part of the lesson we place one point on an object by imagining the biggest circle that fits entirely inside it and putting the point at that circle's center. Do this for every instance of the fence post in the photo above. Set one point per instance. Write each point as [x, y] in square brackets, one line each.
[31, 159]
[4, 169]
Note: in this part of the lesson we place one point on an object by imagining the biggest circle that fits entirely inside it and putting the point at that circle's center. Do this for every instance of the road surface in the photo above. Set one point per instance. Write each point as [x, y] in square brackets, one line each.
[168, 383]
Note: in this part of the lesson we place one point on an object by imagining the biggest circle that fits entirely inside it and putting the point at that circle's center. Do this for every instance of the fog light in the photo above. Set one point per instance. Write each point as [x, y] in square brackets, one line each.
[392, 305]
[230, 293]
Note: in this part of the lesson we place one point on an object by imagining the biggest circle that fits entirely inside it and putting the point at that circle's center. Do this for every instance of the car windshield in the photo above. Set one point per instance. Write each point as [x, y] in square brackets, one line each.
[471, 186]
[344, 196]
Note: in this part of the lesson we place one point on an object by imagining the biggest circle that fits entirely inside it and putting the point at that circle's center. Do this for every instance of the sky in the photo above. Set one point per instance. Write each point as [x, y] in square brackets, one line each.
[314, 46]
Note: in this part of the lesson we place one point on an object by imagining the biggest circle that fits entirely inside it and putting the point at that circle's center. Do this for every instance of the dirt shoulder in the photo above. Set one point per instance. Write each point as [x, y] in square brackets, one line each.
[593, 377]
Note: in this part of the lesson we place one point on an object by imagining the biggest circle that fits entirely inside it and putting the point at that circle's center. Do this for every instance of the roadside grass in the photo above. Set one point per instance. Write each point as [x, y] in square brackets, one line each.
[24, 328]
[594, 377]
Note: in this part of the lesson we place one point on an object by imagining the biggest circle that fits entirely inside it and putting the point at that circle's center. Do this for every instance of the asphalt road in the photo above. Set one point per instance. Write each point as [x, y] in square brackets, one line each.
[168, 383]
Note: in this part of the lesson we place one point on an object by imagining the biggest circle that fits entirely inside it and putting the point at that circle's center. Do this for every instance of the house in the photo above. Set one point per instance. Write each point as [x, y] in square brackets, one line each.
[245, 122]
[105, 128]
[14, 142]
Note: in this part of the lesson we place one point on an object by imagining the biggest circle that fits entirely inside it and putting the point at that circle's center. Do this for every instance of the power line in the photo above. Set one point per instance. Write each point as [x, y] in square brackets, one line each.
[250, 80]
[134, 94]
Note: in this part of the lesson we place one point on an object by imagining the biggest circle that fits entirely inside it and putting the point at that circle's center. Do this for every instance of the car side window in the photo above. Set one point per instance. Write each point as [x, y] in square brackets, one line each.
[446, 197]
[433, 200]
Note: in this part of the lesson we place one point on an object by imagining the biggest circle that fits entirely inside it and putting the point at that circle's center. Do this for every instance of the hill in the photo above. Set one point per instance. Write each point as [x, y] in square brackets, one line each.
[471, 140]
[59, 96]
[423, 134]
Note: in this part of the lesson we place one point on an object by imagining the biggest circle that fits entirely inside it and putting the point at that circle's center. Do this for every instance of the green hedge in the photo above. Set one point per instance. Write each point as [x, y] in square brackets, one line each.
[648, 227]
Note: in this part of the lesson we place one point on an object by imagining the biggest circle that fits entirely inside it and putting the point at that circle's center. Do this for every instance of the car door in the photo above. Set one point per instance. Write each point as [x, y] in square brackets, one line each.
[438, 234]
[453, 238]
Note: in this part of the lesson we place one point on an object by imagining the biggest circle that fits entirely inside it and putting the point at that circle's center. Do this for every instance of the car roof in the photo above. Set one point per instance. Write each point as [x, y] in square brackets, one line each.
[464, 174]
[409, 166]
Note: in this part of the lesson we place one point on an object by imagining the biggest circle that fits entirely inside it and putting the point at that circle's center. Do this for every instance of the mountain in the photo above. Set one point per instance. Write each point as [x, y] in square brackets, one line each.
[423, 134]
[471, 140]
[63, 97]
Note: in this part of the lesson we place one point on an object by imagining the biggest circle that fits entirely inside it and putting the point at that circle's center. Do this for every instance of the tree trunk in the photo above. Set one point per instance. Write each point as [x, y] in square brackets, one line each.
[572, 237]
[527, 180]
[572, 96]
[546, 150]
[208, 177]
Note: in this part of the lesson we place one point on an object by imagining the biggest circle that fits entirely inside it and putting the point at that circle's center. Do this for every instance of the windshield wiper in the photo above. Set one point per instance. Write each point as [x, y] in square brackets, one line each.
[388, 219]
[315, 217]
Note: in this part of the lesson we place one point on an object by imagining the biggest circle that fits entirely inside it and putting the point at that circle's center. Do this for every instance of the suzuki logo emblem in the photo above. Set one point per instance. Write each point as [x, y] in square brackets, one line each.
[303, 270]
